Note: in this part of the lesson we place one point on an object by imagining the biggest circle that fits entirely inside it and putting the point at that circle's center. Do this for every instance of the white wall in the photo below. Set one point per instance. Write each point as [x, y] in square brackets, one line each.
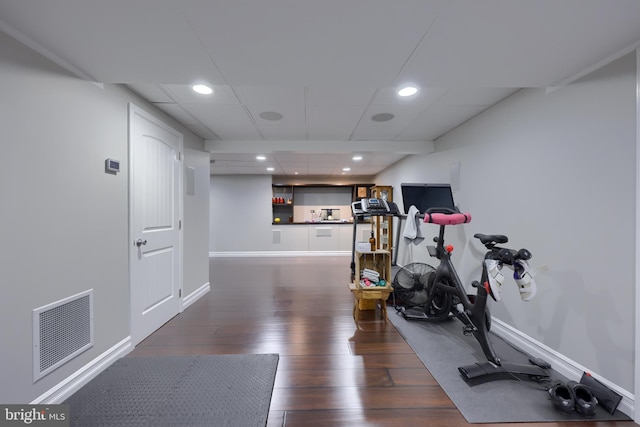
[555, 172]
[196, 223]
[64, 220]
[240, 213]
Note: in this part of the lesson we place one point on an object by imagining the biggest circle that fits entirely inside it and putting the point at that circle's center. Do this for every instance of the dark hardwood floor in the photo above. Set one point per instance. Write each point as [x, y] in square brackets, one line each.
[332, 371]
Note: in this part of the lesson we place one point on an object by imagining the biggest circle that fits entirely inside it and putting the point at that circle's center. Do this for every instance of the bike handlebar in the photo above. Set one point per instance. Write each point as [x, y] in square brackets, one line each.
[444, 216]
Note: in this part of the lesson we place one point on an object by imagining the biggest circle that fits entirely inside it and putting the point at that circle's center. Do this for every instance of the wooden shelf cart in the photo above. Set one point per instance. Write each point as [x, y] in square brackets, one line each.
[366, 298]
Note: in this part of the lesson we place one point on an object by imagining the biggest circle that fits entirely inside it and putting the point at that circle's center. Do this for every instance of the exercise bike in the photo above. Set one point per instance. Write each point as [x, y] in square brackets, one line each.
[447, 297]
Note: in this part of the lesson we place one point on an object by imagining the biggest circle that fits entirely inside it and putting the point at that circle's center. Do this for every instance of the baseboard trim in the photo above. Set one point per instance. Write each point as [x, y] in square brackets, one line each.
[263, 254]
[560, 363]
[60, 392]
[195, 295]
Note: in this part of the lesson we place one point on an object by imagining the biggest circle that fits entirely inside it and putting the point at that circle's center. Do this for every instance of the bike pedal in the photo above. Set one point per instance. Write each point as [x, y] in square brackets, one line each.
[468, 330]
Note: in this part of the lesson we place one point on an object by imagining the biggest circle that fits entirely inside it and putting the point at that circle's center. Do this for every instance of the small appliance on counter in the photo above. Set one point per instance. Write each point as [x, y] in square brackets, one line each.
[330, 214]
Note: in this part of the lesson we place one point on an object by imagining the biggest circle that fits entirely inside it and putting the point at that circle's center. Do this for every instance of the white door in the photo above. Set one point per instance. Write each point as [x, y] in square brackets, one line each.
[155, 201]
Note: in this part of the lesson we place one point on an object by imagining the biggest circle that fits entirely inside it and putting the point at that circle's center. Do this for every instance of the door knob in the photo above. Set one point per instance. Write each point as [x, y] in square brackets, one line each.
[140, 242]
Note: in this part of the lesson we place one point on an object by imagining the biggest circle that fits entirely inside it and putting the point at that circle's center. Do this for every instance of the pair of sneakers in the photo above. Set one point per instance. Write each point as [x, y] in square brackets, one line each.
[521, 274]
[573, 396]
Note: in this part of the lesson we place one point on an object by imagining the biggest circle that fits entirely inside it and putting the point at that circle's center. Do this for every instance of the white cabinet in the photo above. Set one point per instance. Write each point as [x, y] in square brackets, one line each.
[316, 237]
[290, 238]
[324, 238]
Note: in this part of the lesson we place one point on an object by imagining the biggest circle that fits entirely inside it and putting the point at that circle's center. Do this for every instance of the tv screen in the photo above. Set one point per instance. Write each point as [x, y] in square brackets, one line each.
[425, 196]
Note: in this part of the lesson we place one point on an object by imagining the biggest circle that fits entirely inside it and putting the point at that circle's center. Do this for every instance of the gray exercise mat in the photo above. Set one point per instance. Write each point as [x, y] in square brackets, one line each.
[442, 347]
[221, 390]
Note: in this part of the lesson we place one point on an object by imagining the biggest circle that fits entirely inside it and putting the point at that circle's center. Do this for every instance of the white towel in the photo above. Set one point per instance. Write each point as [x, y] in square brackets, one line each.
[412, 232]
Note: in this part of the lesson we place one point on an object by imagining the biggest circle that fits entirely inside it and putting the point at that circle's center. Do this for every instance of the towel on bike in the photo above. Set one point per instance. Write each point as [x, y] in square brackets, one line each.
[412, 232]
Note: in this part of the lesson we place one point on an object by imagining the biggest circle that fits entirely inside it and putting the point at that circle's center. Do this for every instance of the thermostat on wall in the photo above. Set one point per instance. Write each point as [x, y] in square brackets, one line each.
[112, 166]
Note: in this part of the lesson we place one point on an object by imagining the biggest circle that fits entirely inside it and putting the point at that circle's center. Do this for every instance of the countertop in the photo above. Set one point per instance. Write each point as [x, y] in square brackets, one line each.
[312, 223]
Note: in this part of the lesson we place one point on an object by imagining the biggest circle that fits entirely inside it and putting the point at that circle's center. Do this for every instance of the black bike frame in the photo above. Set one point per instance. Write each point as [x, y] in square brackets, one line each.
[473, 315]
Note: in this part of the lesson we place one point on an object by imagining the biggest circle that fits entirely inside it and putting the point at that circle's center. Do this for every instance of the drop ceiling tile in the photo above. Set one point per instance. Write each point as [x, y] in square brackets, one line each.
[290, 127]
[150, 92]
[230, 122]
[292, 115]
[332, 122]
[475, 96]
[265, 95]
[332, 96]
[375, 134]
[203, 132]
[319, 170]
[427, 133]
[240, 170]
[295, 165]
[404, 114]
[437, 120]
[292, 168]
[184, 94]
[285, 133]
[116, 45]
[368, 129]
[497, 43]
[289, 157]
[328, 158]
[425, 96]
[288, 172]
[241, 157]
[177, 112]
[321, 43]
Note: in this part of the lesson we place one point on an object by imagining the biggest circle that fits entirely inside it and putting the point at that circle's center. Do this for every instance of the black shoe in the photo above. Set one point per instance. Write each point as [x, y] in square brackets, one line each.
[585, 401]
[562, 398]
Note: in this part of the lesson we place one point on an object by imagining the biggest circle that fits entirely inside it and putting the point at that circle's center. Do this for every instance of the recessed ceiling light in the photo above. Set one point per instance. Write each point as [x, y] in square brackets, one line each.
[346, 169]
[202, 89]
[382, 117]
[356, 158]
[261, 157]
[271, 115]
[270, 169]
[408, 91]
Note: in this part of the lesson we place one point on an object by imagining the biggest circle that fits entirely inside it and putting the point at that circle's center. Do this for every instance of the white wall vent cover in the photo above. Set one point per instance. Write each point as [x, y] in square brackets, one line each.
[61, 331]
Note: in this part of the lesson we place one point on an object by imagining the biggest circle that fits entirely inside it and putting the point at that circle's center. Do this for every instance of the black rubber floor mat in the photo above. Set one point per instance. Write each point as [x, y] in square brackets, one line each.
[221, 390]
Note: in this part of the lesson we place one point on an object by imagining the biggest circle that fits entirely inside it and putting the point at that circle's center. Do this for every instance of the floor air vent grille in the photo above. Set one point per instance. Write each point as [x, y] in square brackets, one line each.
[61, 331]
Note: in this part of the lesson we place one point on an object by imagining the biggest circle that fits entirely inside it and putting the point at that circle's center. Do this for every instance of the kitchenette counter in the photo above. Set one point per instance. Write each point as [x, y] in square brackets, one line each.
[312, 223]
[318, 236]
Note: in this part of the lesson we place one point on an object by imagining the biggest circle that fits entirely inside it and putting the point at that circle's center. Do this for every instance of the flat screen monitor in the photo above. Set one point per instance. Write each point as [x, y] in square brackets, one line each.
[425, 196]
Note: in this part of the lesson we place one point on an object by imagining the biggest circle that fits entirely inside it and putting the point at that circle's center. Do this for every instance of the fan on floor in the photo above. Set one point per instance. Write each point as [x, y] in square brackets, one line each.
[410, 282]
